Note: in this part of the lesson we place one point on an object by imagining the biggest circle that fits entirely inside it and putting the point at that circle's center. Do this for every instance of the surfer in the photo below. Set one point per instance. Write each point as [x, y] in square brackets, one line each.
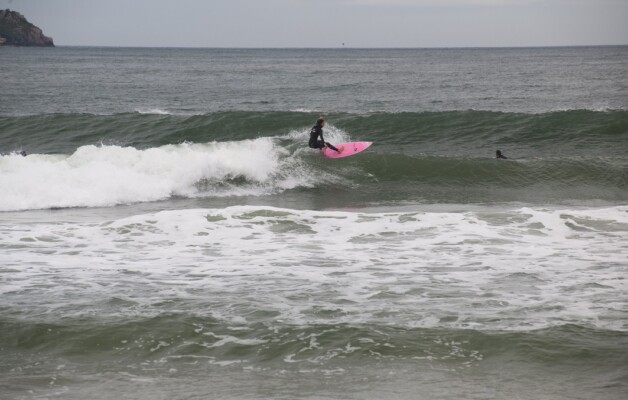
[499, 155]
[315, 133]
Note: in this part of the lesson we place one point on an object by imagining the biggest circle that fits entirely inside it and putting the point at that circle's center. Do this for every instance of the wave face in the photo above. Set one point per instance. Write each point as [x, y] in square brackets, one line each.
[448, 157]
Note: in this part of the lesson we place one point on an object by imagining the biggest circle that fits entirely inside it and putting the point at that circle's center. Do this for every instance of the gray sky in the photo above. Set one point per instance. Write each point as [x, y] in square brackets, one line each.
[328, 23]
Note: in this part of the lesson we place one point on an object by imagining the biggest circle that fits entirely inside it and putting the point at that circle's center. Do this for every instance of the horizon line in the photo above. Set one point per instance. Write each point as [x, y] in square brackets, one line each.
[340, 47]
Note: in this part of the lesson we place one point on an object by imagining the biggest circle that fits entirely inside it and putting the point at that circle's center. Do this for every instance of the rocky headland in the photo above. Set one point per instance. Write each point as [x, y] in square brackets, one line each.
[15, 30]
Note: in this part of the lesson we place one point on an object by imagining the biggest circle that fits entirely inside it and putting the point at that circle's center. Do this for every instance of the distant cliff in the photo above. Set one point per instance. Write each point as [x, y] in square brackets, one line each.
[15, 30]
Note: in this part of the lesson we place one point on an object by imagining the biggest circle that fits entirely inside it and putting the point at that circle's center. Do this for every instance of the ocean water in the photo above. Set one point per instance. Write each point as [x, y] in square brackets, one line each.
[169, 235]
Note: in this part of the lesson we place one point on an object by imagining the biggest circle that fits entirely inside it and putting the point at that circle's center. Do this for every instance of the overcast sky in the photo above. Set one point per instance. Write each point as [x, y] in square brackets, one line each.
[328, 23]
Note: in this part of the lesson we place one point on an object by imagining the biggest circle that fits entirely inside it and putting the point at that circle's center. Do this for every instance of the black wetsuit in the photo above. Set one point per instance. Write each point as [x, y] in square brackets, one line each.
[315, 143]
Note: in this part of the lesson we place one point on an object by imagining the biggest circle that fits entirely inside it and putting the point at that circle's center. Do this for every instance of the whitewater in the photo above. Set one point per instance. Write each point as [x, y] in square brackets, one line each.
[373, 263]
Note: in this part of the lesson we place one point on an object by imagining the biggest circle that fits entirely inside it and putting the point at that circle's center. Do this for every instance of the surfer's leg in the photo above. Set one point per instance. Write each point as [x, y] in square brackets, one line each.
[332, 147]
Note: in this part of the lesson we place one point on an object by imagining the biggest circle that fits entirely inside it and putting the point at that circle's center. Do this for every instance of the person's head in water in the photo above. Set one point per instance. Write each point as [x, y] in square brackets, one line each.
[498, 154]
[320, 121]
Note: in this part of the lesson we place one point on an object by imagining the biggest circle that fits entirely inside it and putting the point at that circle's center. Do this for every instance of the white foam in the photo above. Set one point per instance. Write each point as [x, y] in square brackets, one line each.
[227, 339]
[156, 111]
[508, 270]
[331, 134]
[109, 175]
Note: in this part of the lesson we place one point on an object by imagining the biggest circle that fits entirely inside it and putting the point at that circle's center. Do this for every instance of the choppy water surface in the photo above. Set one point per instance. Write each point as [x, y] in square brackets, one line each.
[170, 235]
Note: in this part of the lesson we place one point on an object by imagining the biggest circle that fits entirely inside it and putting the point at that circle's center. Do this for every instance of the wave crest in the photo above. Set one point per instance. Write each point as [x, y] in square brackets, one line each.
[96, 176]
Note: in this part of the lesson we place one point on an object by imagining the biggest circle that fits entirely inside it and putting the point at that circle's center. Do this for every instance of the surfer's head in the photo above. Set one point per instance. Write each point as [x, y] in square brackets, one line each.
[320, 121]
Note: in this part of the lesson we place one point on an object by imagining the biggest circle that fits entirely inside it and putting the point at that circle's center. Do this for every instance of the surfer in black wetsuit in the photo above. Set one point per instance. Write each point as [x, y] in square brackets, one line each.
[315, 133]
[499, 155]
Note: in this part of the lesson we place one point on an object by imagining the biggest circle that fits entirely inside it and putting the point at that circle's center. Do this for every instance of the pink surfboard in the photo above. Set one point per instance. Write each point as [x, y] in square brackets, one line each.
[348, 149]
